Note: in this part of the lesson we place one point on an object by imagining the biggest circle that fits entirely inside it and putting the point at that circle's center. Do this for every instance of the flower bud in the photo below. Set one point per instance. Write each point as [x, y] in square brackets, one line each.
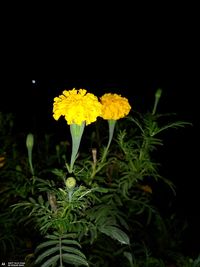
[29, 141]
[70, 183]
[158, 93]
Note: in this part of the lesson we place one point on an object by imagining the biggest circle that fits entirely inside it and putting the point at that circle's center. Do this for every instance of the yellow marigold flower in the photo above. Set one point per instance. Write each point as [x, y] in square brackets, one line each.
[114, 106]
[77, 106]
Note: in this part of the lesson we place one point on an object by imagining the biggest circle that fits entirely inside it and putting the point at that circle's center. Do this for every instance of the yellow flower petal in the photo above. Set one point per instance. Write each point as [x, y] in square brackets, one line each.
[114, 106]
[77, 106]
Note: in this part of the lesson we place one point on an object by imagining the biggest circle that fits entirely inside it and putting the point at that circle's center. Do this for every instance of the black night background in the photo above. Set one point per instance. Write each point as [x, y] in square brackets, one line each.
[120, 49]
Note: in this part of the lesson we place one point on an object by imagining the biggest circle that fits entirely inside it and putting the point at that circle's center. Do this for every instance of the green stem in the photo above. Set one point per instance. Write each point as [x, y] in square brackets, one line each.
[60, 244]
[111, 125]
[76, 134]
[30, 161]
[157, 97]
[29, 145]
[70, 192]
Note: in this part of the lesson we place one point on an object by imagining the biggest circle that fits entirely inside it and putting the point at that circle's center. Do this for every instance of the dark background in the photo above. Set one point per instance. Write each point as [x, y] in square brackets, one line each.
[124, 49]
[31, 102]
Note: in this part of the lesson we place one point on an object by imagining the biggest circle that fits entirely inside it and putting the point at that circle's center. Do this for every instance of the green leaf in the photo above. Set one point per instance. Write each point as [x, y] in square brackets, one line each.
[100, 190]
[47, 253]
[137, 123]
[73, 251]
[41, 200]
[58, 172]
[32, 200]
[46, 244]
[54, 237]
[69, 235]
[74, 259]
[129, 257]
[116, 233]
[51, 261]
[71, 242]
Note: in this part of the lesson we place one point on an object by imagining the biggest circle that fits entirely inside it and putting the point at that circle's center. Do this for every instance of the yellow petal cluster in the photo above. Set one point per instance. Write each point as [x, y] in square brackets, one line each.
[114, 106]
[77, 106]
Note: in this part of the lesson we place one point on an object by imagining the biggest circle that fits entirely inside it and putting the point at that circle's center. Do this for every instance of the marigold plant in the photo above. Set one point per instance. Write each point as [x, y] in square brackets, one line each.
[114, 106]
[77, 106]
[65, 213]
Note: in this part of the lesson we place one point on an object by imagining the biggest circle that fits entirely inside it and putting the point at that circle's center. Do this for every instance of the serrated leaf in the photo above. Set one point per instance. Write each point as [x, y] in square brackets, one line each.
[54, 237]
[46, 244]
[116, 233]
[93, 234]
[129, 257]
[122, 221]
[70, 242]
[47, 253]
[70, 235]
[74, 259]
[74, 251]
[51, 261]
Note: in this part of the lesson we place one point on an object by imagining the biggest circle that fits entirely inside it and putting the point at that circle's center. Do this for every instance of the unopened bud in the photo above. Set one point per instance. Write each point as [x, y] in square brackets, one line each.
[29, 141]
[70, 183]
[158, 93]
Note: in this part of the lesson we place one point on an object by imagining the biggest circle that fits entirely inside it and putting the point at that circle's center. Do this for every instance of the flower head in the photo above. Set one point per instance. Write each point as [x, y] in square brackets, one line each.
[77, 106]
[114, 106]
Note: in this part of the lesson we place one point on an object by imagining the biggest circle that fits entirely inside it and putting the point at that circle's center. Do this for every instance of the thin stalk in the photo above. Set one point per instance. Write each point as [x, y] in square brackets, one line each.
[157, 97]
[111, 125]
[60, 249]
[76, 134]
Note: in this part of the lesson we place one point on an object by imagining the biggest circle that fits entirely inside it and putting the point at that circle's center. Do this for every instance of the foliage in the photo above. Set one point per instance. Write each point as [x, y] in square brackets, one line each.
[104, 197]
[60, 249]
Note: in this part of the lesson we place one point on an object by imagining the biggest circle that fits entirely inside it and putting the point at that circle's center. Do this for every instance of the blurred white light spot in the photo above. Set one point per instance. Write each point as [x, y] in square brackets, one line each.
[33, 81]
